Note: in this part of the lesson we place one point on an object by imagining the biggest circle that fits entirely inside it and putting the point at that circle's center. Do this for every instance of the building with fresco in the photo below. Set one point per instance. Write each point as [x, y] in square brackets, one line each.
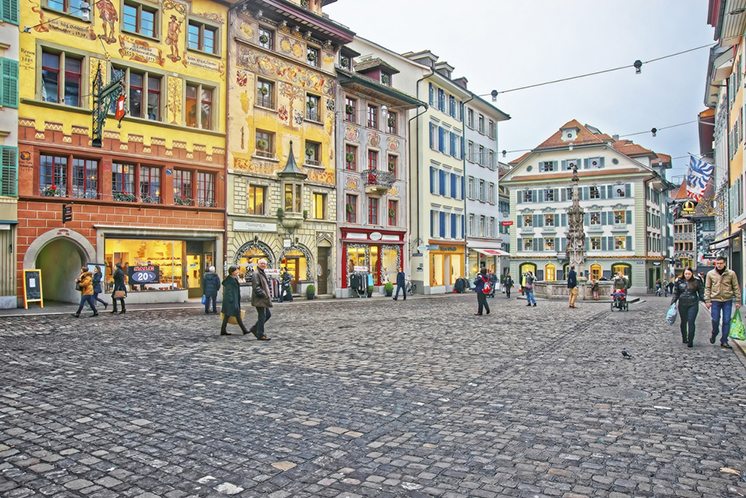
[152, 196]
[8, 152]
[372, 168]
[282, 203]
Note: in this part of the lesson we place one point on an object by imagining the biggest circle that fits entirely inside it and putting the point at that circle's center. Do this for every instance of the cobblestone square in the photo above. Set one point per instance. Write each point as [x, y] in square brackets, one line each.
[371, 398]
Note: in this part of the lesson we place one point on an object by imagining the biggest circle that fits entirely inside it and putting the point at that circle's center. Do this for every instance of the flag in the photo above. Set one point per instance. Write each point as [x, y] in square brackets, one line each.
[697, 178]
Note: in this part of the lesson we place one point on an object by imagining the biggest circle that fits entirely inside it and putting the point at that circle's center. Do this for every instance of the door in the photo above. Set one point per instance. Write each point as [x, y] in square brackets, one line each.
[292, 263]
[194, 272]
[323, 270]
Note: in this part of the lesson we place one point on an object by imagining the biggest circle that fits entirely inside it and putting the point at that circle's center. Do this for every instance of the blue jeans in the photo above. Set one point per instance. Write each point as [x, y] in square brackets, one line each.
[688, 314]
[726, 308]
[530, 296]
[86, 299]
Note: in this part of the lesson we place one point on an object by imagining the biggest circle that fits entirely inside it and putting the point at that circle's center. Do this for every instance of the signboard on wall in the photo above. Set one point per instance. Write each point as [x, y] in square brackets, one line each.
[149, 274]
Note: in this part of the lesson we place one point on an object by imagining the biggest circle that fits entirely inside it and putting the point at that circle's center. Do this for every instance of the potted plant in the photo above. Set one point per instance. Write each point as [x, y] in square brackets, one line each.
[309, 152]
[51, 191]
[370, 291]
[388, 289]
[392, 213]
[311, 105]
[310, 292]
[392, 166]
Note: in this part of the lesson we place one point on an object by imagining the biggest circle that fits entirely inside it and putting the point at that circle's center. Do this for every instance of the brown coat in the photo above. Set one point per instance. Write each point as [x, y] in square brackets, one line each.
[722, 287]
[259, 281]
[85, 281]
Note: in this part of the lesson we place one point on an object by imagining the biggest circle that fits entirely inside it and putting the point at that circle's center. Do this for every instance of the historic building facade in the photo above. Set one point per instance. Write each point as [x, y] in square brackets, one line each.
[9, 16]
[163, 164]
[282, 202]
[622, 193]
[372, 169]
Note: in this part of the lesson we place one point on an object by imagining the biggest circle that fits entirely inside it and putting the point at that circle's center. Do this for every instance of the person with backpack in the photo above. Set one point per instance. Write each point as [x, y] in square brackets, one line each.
[482, 288]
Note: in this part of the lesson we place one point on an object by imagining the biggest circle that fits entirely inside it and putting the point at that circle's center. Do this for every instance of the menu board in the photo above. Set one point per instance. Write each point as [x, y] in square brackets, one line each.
[32, 287]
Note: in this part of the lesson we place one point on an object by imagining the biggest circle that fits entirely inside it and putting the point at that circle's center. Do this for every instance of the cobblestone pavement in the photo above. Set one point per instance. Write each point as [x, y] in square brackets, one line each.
[371, 398]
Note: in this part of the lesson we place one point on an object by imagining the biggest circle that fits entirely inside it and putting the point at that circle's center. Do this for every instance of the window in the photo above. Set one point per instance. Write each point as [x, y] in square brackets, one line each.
[53, 175]
[265, 93]
[61, 76]
[528, 244]
[595, 243]
[350, 157]
[265, 143]
[595, 218]
[319, 206]
[71, 7]
[206, 189]
[491, 159]
[470, 118]
[139, 19]
[391, 123]
[547, 166]
[548, 220]
[143, 91]
[480, 158]
[620, 242]
[620, 192]
[441, 100]
[266, 38]
[492, 130]
[123, 182]
[618, 216]
[470, 151]
[350, 110]
[393, 212]
[528, 196]
[373, 210]
[386, 79]
[293, 198]
[183, 187]
[312, 107]
[482, 221]
[312, 56]
[528, 220]
[549, 195]
[392, 164]
[470, 185]
[85, 178]
[257, 197]
[313, 153]
[452, 106]
[549, 245]
[9, 171]
[150, 184]
[202, 37]
[481, 191]
[480, 123]
[351, 208]
[594, 193]
[198, 111]
[372, 159]
[373, 117]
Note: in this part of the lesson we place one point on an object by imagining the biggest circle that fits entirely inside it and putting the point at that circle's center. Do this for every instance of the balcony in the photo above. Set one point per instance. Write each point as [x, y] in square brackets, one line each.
[377, 181]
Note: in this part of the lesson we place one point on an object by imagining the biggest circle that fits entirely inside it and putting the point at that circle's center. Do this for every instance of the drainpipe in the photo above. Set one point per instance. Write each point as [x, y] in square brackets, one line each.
[466, 211]
[229, 70]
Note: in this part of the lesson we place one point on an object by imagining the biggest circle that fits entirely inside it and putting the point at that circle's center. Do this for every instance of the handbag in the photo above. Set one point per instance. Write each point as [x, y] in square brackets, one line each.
[120, 294]
[232, 318]
[737, 329]
[671, 314]
[204, 299]
[77, 286]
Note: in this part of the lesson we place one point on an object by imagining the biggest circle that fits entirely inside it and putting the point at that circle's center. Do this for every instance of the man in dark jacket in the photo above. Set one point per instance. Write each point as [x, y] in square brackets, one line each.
[508, 283]
[572, 285]
[260, 299]
[479, 284]
[120, 289]
[210, 288]
[401, 283]
[231, 307]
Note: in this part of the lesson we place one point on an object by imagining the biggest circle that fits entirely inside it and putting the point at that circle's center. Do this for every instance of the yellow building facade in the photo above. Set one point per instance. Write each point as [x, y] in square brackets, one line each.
[281, 161]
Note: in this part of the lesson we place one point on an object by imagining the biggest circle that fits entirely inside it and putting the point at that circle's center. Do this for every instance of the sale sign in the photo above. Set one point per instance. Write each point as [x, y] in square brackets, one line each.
[148, 274]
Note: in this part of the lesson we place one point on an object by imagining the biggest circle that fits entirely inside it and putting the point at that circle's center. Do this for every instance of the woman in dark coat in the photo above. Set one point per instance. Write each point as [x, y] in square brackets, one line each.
[119, 289]
[689, 292]
[231, 306]
[97, 286]
[508, 285]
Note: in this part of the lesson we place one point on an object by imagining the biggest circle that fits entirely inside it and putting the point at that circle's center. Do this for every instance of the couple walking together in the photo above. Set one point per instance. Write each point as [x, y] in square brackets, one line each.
[260, 299]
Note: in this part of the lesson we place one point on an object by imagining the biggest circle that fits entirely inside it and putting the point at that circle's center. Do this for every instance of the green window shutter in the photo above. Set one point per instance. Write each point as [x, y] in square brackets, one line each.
[9, 171]
[9, 11]
[629, 217]
[629, 243]
[9, 85]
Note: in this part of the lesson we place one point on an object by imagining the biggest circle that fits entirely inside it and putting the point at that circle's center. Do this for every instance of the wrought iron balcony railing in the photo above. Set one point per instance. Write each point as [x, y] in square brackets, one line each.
[377, 179]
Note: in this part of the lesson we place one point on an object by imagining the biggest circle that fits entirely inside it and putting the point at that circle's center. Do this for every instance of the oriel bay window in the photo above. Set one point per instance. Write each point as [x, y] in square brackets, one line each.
[140, 19]
[199, 106]
[206, 189]
[183, 187]
[257, 195]
[61, 77]
[202, 37]
[293, 195]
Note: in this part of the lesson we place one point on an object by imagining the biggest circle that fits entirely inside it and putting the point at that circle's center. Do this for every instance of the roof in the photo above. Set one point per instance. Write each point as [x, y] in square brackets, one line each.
[680, 194]
[631, 149]
[381, 91]
[584, 137]
[373, 63]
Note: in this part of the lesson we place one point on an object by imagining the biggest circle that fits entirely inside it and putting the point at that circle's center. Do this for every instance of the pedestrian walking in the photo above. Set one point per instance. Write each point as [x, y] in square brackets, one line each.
[231, 306]
[572, 285]
[528, 288]
[689, 292]
[721, 287]
[120, 289]
[97, 276]
[210, 288]
[401, 284]
[670, 285]
[260, 300]
[84, 283]
[595, 288]
[493, 283]
[508, 283]
[286, 291]
[482, 288]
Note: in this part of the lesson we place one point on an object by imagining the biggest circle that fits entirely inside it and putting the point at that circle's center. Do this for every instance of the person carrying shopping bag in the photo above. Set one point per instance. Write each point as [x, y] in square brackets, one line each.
[688, 291]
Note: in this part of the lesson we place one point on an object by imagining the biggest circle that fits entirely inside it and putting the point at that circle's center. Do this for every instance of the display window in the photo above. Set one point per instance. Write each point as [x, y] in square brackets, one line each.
[161, 261]
[382, 261]
[297, 266]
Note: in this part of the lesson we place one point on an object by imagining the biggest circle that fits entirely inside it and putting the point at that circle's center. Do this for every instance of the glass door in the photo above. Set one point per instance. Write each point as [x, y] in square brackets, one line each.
[194, 272]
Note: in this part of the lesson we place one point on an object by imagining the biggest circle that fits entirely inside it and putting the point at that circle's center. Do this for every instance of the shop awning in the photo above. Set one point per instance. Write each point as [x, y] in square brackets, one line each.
[492, 252]
[722, 243]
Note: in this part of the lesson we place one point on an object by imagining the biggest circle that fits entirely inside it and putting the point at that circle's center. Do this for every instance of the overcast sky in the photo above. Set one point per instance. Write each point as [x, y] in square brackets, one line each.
[503, 44]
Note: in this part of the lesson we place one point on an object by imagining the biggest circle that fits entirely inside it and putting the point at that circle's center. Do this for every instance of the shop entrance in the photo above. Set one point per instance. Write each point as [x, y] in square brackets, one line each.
[194, 273]
[60, 262]
[296, 263]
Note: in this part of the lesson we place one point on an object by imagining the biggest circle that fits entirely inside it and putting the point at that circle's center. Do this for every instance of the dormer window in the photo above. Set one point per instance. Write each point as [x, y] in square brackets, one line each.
[345, 62]
[386, 79]
[569, 134]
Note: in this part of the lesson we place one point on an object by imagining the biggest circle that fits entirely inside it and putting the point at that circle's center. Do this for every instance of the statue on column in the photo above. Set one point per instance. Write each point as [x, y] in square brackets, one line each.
[575, 231]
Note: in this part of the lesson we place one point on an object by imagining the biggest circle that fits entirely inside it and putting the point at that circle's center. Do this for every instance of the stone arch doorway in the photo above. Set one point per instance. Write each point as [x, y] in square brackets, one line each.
[59, 255]
[299, 263]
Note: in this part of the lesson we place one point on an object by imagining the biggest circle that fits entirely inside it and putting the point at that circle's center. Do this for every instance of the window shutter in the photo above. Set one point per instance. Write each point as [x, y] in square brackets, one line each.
[454, 226]
[9, 87]
[610, 243]
[9, 171]
[541, 195]
[563, 219]
[539, 244]
[603, 244]
[462, 189]
[587, 244]
[541, 220]
[602, 192]
[627, 190]
[432, 135]
[629, 243]
[556, 243]
[629, 217]
[609, 192]
[535, 219]
[563, 194]
[563, 247]
[432, 223]
[586, 219]
[432, 180]
[519, 221]
[9, 11]
[518, 197]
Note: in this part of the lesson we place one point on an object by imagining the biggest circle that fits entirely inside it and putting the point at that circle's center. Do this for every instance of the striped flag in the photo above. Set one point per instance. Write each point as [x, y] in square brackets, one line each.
[697, 177]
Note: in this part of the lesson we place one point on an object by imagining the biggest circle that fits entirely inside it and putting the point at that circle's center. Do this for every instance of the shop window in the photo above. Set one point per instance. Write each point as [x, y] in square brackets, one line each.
[139, 19]
[313, 153]
[293, 198]
[163, 258]
[266, 38]
[123, 182]
[373, 159]
[150, 184]
[392, 164]
[199, 106]
[312, 107]
[206, 189]
[390, 262]
[313, 56]
[265, 93]
[61, 78]
[85, 178]
[357, 257]
[319, 206]
[257, 196]
[351, 208]
[53, 175]
[350, 157]
[265, 144]
[393, 212]
[202, 37]
[350, 110]
[373, 117]
[391, 123]
[625, 269]
[183, 187]
[373, 210]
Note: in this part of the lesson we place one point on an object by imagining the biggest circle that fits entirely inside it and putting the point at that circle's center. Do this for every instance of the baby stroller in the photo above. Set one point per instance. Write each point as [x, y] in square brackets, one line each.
[619, 300]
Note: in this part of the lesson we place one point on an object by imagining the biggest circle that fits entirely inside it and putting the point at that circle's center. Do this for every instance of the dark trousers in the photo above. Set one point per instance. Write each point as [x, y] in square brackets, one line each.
[90, 301]
[96, 298]
[263, 317]
[114, 302]
[688, 315]
[482, 302]
[726, 307]
[403, 289]
[239, 322]
[507, 292]
[211, 298]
